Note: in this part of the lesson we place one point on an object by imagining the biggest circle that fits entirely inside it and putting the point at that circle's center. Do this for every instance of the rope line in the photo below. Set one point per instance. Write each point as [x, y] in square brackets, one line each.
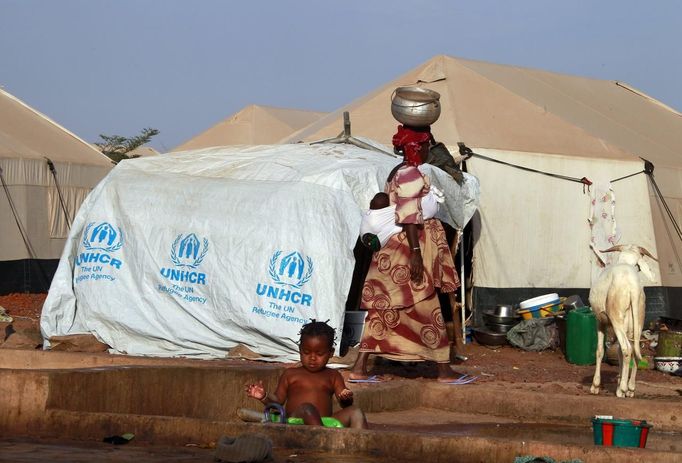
[584, 180]
[667, 208]
[628, 176]
[648, 170]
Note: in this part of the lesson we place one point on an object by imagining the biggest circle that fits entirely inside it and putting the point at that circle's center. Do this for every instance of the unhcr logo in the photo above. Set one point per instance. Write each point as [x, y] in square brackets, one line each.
[185, 251]
[186, 254]
[290, 270]
[103, 237]
[98, 241]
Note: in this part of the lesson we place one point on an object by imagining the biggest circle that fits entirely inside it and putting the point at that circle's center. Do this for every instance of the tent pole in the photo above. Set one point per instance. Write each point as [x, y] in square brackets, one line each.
[463, 287]
[346, 137]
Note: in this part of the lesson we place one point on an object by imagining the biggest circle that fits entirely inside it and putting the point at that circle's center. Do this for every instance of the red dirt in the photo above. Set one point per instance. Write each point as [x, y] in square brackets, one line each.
[511, 365]
[23, 304]
[503, 364]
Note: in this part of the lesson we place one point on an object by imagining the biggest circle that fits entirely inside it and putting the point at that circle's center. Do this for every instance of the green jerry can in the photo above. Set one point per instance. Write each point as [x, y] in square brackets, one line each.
[581, 336]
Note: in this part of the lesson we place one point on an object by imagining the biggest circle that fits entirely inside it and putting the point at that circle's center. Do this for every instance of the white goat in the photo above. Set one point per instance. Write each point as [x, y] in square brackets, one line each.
[618, 297]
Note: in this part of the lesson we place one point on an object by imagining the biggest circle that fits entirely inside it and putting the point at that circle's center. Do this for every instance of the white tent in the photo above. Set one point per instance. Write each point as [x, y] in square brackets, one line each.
[253, 125]
[532, 235]
[193, 253]
[37, 203]
[143, 151]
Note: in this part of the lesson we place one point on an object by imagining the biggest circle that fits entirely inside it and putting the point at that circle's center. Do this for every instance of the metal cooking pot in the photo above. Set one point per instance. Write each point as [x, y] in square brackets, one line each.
[504, 310]
[489, 317]
[489, 338]
[415, 106]
[500, 327]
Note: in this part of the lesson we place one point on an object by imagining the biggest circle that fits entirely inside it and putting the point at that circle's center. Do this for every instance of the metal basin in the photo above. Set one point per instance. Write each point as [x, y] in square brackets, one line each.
[489, 338]
[415, 106]
[500, 327]
[490, 317]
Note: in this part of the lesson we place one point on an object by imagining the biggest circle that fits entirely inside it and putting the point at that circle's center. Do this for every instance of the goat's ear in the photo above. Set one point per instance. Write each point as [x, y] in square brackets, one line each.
[616, 248]
[644, 252]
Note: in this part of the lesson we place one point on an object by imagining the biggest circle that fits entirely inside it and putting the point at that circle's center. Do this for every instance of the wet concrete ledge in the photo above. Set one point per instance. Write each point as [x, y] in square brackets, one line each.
[56, 360]
[531, 406]
[216, 394]
[393, 446]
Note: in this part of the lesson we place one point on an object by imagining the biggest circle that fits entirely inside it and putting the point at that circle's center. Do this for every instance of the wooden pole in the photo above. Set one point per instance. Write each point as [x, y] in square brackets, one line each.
[456, 307]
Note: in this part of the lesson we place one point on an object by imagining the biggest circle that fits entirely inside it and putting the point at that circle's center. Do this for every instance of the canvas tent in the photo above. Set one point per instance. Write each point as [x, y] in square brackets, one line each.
[253, 125]
[36, 202]
[532, 235]
[143, 151]
[194, 253]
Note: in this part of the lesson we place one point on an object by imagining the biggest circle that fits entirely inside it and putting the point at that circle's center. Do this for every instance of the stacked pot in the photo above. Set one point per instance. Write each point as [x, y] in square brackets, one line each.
[497, 323]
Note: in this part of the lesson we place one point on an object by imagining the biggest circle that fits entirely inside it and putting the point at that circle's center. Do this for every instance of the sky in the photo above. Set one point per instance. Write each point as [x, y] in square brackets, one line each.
[181, 66]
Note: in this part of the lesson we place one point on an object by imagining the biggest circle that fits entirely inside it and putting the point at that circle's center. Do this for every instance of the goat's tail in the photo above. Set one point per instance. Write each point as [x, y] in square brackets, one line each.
[638, 305]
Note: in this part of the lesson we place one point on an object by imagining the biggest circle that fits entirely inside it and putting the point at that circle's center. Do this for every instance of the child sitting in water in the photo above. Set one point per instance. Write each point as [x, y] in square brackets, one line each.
[378, 223]
[306, 391]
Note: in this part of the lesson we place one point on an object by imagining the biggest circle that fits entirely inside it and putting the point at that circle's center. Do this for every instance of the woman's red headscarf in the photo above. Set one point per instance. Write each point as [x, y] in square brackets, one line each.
[409, 140]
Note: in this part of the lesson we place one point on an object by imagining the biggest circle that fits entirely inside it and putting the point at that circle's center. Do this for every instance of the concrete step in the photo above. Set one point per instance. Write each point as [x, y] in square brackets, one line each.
[434, 421]
[398, 446]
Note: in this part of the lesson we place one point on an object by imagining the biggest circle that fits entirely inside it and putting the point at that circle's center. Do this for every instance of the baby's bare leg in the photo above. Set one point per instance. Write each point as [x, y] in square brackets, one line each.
[351, 417]
[309, 413]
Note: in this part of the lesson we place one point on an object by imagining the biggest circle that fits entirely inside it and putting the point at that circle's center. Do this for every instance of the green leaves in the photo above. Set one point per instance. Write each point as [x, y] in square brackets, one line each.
[117, 147]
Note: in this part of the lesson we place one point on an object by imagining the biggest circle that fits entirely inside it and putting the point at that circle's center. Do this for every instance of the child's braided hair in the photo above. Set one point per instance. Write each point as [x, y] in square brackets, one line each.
[315, 328]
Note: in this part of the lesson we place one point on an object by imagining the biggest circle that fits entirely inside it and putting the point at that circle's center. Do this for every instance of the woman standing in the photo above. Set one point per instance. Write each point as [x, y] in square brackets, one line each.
[404, 320]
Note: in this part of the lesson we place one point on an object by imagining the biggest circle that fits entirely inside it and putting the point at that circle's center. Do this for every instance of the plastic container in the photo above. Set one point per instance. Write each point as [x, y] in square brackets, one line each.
[620, 433]
[540, 301]
[541, 306]
[581, 336]
[353, 323]
[668, 364]
[539, 312]
[669, 344]
[327, 421]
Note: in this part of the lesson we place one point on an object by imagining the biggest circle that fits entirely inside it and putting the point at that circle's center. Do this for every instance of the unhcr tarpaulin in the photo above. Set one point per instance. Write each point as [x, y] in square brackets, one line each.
[196, 252]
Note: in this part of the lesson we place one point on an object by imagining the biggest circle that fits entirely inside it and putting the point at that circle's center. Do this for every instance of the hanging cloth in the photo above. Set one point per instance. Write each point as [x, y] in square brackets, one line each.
[604, 231]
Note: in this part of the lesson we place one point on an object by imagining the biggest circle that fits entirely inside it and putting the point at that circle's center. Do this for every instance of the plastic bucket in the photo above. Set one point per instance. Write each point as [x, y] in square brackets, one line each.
[620, 433]
[669, 344]
[540, 301]
[540, 311]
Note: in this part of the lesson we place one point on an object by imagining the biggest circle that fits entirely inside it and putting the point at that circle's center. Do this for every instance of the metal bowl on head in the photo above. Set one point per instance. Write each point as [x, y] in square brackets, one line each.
[504, 310]
[415, 106]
